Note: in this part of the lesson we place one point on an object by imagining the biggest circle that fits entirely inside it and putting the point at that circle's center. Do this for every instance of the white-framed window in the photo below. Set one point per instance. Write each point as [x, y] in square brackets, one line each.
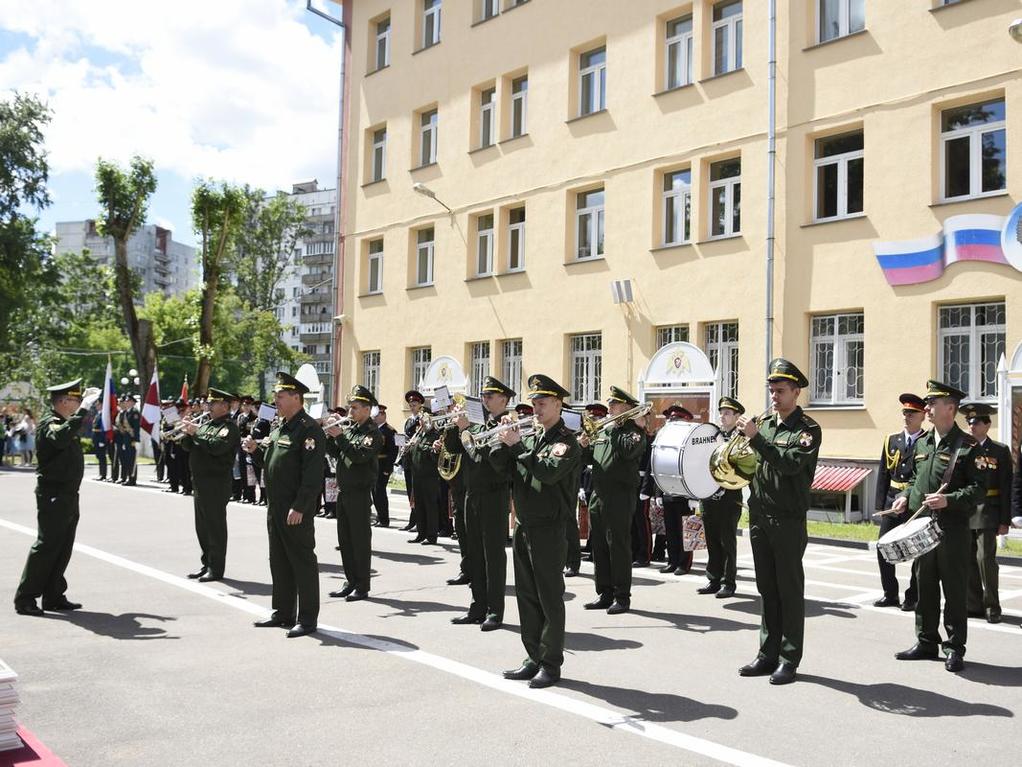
[379, 154]
[678, 53]
[837, 359]
[424, 257]
[421, 357]
[586, 367]
[484, 245]
[519, 106]
[839, 18]
[973, 150]
[970, 342]
[516, 240]
[487, 115]
[383, 43]
[430, 22]
[669, 334]
[488, 9]
[371, 371]
[374, 267]
[677, 207]
[722, 350]
[592, 81]
[727, 36]
[511, 363]
[838, 176]
[480, 358]
[428, 124]
[589, 224]
[726, 198]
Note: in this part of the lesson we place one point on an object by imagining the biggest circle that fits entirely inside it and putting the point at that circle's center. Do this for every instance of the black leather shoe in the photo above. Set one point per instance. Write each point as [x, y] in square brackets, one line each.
[726, 593]
[640, 563]
[570, 572]
[298, 630]
[527, 670]
[460, 580]
[61, 605]
[954, 662]
[198, 573]
[682, 570]
[709, 588]
[619, 606]
[886, 601]
[492, 623]
[993, 616]
[468, 619]
[908, 607]
[357, 596]
[668, 568]
[917, 652]
[977, 614]
[348, 588]
[759, 667]
[273, 623]
[428, 542]
[785, 674]
[408, 528]
[207, 577]
[28, 608]
[548, 676]
[602, 603]
[416, 539]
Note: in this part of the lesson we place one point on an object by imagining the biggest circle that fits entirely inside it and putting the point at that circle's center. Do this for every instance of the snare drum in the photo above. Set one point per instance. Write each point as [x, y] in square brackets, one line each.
[910, 540]
[681, 459]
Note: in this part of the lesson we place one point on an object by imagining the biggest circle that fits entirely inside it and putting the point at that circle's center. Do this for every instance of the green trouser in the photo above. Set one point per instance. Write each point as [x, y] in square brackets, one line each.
[48, 558]
[573, 559]
[293, 567]
[486, 513]
[426, 491]
[210, 498]
[539, 588]
[720, 523]
[460, 529]
[946, 566]
[983, 572]
[610, 525]
[355, 535]
[778, 544]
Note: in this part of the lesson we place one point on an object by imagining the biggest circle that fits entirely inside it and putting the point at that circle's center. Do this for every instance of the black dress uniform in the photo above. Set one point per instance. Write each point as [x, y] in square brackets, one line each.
[426, 487]
[211, 455]
[386, 458]
[721, 513]
[642, 529]
[127, 427]
[410, 427]
[99, 444]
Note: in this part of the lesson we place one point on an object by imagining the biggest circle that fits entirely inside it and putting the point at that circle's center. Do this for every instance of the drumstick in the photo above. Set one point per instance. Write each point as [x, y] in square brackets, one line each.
[888, 512]
[939, 490]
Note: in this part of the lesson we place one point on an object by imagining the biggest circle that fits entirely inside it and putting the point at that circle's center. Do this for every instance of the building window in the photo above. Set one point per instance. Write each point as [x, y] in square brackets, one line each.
[726, 198]
[487, 113]
[383, 43]
[837, 356]
[679, 53]
[589, 224]
[973, 150]
[428, 122]
[592, 81]
[424, 257]
[371, 371]
[727, 37]
[375, 267]
[970, 344]
[379, 154]
[677, 207]
[839, 18]
[480, 354]
[511, 363]
[516, 240]
[839, 176]
[586, 367]
[669, 334]
[421, 358]
[488, 9]
[484, 245]
[519, 106]
[722, 351]
[430, 22]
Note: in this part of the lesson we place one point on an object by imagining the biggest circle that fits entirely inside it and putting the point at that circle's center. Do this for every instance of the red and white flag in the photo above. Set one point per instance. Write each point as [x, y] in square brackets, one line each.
[184, 389]
[109, 411]
[151, 409]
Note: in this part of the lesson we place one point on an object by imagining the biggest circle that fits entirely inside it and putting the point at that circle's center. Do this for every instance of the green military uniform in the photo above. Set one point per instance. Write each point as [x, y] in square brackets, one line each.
[458, 491]
[721, 513]
[59, 472]
[211, 453]
[357, 451]
[615, 455]
[426, 484]
[544, 471]
[788, 451]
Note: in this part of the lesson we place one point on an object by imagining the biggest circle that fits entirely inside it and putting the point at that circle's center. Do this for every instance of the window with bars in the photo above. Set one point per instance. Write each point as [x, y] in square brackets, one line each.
[586, 367]
[371, 371]
[974, 145]
[669, 334]
[480, 365]
[421, 357]
[721, 342]
[511, 363]
[970, 342]
[837, 357]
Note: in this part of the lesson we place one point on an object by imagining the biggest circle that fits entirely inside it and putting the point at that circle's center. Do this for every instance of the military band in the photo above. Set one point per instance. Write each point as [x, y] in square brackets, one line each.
[721, 513]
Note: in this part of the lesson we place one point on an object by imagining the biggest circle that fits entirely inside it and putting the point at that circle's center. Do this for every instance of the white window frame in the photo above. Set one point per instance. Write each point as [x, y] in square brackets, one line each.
[422, 356]
[384, 38]
[374, 261]
[678, 197]
[487, 117]
[723, 355]
[479, 356]
[844, 22]
[512, 229]
[734, 50]
[842, 161]
[839, 360]
[596, 224]
[669, 334]
[424, 249]
[586, 366]
[519, 106]
[729, 185]
[975, 335]
[975, 134]
[598, 83]
[511, 364]
[379, 155]
[430, 23]
[484, 246]
[429, 122]
[371, 371]
[683, 43]
[489, 9]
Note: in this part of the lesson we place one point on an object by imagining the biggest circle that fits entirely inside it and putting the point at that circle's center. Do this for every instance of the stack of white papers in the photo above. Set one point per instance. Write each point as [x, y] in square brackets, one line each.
[9, 739]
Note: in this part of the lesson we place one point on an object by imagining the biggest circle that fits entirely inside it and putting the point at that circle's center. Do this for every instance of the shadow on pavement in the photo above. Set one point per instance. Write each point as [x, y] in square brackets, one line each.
[997, 676]
[411, 559]
[329, 638]
[251, 588]
[124, 626]
[411, 608]
[813, 609]
[579, 641]
[651, 706]
[907, 701]
[699, 624]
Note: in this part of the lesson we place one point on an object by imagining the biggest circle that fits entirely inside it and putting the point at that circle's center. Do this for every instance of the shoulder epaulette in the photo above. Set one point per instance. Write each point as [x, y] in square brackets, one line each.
[808, 421]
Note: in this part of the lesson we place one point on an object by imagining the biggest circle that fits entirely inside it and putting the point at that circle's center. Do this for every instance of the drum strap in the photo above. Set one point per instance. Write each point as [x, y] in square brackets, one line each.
[955, 449]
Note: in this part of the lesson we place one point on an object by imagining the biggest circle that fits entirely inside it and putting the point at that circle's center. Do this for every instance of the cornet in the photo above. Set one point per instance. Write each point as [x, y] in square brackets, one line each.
[592, 427]
[178, 432]
[491, 437]
[338, 422]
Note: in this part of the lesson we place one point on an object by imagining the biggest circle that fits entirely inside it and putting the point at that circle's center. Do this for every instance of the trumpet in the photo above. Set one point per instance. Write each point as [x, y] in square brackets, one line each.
[733, 463]
[338, 422]
[491, 437]
[178, 432]
[592, 427]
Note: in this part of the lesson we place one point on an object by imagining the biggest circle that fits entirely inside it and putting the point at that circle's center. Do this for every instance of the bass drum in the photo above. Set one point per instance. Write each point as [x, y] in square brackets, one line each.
[681, 459]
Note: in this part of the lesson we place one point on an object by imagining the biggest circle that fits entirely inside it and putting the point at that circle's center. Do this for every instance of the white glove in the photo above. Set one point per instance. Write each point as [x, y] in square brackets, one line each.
[582, 495]
[89, 399]
[643, 497]
[658, 502]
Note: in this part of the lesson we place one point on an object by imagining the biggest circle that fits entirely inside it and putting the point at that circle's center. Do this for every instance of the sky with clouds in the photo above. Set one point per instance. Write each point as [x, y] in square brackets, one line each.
[241, 90]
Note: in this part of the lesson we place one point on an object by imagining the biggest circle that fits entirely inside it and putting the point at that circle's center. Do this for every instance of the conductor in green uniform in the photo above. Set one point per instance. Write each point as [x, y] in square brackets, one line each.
[211, 451]
[292, 457]
[544, 468]
[357, 450]
[58, 476]
[787, 443]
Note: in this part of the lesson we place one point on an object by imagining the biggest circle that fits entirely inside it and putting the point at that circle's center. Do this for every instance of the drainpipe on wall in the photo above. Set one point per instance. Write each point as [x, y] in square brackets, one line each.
[771, 183]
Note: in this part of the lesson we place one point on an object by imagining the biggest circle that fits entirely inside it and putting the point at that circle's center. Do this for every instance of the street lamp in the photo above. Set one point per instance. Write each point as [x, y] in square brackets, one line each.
[425, 191]
[1015, 30]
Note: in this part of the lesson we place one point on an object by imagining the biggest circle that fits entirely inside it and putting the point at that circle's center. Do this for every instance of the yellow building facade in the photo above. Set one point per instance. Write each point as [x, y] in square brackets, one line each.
[506, 163]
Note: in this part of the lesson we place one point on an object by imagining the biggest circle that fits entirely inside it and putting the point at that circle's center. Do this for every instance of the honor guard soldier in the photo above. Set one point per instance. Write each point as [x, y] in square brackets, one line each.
[675, 509]
[615, 454]
[544, 470]
[415, 401]
[99, 444]
[357, 450]
[292, 456]
[387, 458]
[991, 518]
[487, 507]
[897, 470]
[59, 472]
[211, 450]
[787, 443]
[721, 513]
[425, 483]
[126, 432]
[949, 483]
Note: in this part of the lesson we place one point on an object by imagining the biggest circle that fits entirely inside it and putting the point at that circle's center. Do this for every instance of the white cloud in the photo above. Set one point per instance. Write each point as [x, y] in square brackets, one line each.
[232, 89]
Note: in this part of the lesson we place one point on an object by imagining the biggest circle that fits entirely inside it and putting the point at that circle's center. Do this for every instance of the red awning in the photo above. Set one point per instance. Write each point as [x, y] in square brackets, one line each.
[838, 479]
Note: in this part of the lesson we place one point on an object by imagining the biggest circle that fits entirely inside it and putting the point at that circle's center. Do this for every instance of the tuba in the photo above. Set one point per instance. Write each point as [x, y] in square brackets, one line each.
[733, 463]
[448, 463]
